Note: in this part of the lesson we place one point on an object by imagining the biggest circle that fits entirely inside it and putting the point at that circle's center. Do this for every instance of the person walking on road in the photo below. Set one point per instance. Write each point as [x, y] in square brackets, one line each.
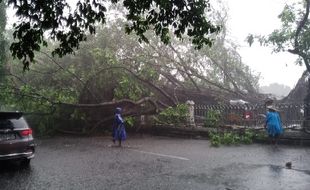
[273, 124]
[118, 131]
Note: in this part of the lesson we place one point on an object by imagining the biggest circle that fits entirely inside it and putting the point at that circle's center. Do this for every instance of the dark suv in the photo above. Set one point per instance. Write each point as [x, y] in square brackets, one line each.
[16, 140]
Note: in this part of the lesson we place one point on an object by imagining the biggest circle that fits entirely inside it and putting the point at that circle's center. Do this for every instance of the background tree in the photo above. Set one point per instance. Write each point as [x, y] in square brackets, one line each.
[279, 90]
[293, 37]
[3, 45]
[80, 91]
[112, 68]
[294, 34]
[2, 39]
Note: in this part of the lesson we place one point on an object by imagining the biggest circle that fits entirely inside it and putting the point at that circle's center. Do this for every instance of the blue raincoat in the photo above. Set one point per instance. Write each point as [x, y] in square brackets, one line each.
[274, 125]
[118, 132]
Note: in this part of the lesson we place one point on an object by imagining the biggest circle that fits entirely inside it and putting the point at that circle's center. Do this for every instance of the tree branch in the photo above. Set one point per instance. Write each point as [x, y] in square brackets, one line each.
[74, 75]
[165, 94]
[189, 75]
[300, 26]
[227, 75]
[105, 104]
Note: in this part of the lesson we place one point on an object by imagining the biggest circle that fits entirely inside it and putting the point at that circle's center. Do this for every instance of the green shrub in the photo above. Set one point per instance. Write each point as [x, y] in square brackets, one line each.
[248, 136]
[246, 140]
[129, 121]
[215, 139]
[228, 138]
[212, 118]
[236, 139]
[231, 138]
[261, 136]
[173, 115]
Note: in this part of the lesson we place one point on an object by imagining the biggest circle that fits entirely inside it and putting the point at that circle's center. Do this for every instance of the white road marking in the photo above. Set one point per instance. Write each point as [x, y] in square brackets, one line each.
[162, 155]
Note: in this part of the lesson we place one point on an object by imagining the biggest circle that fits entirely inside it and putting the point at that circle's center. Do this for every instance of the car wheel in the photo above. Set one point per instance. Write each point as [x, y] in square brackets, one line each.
[25, 162]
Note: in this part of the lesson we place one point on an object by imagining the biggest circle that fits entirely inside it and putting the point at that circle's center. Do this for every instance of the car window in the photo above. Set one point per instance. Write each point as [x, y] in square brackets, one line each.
[19, 123]
[6, 124]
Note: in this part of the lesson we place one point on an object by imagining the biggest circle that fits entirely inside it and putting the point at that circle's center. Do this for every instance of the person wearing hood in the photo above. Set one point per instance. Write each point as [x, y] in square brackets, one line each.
[273, 124]
[118, 130]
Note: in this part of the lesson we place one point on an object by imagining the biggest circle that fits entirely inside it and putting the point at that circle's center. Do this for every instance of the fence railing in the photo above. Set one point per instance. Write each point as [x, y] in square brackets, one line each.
[292, 115]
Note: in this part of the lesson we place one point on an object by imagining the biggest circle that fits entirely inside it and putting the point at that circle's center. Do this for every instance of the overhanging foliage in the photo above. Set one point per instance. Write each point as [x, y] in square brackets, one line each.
[54, 18]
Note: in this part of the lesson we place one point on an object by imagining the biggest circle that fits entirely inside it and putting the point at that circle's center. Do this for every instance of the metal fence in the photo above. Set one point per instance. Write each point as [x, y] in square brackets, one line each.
[292, 115]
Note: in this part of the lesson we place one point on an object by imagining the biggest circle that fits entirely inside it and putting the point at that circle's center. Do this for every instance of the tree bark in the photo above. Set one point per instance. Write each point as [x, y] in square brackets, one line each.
[307, 110]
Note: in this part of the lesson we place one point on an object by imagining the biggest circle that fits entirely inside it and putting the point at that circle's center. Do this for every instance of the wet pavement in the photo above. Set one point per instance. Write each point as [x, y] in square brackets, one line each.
[158, 163]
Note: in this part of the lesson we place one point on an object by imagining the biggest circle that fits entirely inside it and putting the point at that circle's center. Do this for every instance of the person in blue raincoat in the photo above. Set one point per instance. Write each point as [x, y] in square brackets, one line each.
[118, 130]
[273, 124]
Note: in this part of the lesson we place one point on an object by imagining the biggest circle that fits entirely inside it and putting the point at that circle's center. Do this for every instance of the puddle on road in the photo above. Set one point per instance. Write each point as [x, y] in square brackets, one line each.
[242, 176]
[278, 177]
[278, 169]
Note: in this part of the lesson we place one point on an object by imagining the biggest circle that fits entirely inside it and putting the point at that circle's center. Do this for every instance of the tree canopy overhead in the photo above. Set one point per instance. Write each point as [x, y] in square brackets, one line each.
[56, 19]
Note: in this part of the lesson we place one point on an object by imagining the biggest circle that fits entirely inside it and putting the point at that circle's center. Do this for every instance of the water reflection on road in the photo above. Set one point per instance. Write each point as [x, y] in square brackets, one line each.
[158, 163]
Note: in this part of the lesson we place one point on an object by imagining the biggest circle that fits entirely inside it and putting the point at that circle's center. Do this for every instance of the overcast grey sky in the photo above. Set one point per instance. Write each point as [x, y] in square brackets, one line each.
[260, 17]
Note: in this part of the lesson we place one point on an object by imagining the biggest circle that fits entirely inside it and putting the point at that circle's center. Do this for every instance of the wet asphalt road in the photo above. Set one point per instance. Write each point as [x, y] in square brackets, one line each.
[158, 163]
